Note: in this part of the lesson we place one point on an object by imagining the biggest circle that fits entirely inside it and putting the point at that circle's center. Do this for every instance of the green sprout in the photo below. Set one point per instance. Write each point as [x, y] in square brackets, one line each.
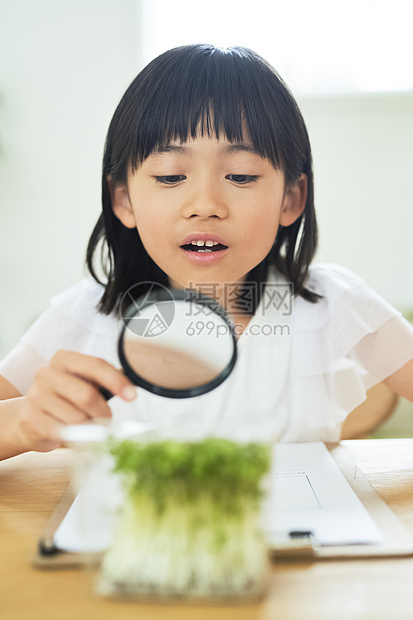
[189, 523]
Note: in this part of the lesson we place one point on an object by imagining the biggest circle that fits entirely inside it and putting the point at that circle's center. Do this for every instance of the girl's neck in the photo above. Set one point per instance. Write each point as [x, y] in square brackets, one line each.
[239, 310]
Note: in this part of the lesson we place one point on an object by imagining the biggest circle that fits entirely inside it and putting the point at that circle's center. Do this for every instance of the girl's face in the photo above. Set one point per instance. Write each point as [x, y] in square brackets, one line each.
[207, 210]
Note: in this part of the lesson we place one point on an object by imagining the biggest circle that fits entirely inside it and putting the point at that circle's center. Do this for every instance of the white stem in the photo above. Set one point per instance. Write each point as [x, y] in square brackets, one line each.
[188, 549]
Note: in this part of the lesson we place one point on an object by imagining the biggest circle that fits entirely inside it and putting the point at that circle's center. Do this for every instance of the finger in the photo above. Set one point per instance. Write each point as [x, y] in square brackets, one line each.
[58, 407]
[38, 430]
[68, 396]
[96, 370]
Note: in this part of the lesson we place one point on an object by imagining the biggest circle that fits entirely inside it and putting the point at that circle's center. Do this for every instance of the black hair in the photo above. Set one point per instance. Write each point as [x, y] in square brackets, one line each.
[218, 91]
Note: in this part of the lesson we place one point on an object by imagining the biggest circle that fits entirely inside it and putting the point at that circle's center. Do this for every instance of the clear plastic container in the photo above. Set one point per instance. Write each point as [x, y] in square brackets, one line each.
[187, 524]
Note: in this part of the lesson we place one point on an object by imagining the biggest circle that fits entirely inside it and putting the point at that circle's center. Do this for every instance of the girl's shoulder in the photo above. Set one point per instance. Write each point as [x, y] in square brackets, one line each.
[348, 309]
[87, 289]
[72, 321]
[330, 280]
[339, 288]
[79, 303]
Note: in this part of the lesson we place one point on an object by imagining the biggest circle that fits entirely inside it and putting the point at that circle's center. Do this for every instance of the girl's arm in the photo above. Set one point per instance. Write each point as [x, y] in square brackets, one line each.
[7, 389]
[66, 391]
[401, 381]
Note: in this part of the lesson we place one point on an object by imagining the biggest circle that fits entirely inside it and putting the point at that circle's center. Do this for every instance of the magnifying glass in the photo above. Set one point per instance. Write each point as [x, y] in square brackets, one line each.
[175, 343]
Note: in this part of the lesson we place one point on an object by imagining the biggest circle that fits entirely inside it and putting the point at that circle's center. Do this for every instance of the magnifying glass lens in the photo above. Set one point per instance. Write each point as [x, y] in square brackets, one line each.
[186, 356]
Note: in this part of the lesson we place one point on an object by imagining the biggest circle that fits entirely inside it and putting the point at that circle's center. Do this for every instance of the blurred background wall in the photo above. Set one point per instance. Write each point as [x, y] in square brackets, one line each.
[63, 68]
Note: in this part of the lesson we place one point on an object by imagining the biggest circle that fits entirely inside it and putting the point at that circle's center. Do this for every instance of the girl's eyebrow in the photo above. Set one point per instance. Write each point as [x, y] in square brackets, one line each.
[236, 147]
[241, 147]
[170, 148]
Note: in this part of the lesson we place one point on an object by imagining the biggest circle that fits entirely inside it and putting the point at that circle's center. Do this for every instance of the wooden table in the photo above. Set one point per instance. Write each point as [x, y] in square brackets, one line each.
[31, 484]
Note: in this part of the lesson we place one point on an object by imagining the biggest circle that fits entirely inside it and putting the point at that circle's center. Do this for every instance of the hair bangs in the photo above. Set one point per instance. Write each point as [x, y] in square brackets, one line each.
[211, 94]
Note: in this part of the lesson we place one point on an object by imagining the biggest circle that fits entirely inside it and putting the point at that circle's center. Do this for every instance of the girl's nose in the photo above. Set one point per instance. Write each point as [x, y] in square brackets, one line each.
[205, 204]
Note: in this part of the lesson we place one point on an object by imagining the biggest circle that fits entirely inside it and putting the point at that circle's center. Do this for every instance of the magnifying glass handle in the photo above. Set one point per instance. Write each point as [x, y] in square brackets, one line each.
[107, 394]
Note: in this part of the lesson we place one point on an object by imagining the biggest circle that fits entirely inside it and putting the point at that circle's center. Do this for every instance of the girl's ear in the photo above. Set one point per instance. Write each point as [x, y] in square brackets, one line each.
[294, 201]
[121, 204]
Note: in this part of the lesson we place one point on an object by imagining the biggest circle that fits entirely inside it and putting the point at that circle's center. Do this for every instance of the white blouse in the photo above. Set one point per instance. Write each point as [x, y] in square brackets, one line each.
[300, 369]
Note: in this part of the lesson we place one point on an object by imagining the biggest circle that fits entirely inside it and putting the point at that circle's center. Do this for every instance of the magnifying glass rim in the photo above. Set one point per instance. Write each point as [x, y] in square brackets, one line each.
[162, 294]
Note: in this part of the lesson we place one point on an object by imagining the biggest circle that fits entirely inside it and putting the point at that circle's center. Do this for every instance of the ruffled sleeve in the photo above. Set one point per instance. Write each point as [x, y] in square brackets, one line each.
[70, 322]
[343, 345]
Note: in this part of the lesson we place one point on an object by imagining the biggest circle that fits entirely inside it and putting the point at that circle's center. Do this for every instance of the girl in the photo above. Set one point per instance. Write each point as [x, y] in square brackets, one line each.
[207, 184]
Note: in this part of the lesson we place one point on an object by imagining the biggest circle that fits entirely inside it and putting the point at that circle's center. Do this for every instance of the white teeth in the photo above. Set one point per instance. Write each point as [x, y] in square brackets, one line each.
[201, 243]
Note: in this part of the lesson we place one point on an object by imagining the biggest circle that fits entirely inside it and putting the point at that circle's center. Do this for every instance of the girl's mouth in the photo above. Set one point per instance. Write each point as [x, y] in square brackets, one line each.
[204, 251]
[204, 246]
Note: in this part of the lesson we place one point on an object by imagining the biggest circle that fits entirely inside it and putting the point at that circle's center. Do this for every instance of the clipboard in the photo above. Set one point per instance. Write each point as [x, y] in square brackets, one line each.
[398, 541]
[294, 546]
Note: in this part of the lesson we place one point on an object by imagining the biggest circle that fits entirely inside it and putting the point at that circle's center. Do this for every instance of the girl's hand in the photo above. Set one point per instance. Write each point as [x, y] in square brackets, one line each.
[66, 391]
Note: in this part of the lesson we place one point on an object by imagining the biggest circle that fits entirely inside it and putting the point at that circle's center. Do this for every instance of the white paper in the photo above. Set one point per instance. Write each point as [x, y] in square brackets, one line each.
[88, 524]
[307, 493]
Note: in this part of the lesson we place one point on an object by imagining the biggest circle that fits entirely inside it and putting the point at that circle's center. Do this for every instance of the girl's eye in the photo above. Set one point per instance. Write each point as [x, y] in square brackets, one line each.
[170, 179]
[242, 179]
